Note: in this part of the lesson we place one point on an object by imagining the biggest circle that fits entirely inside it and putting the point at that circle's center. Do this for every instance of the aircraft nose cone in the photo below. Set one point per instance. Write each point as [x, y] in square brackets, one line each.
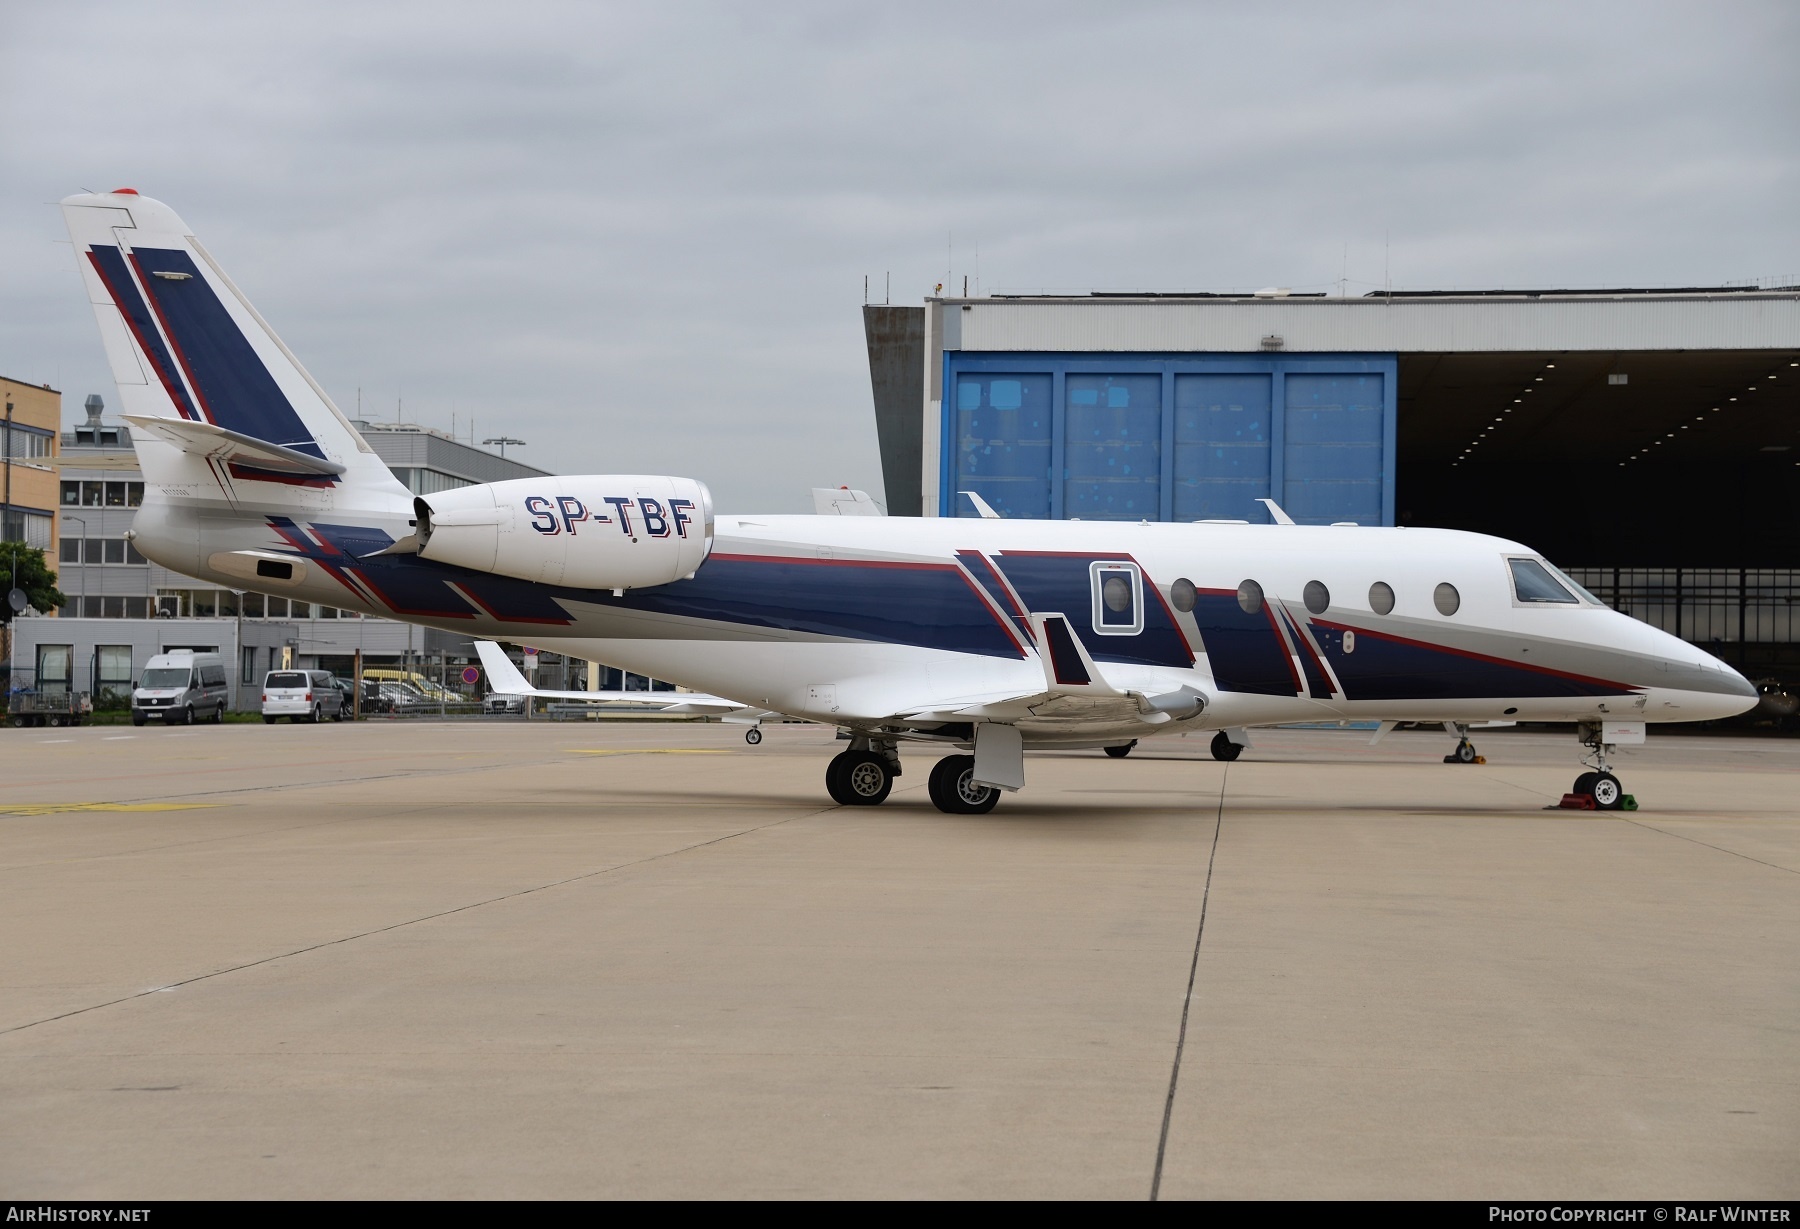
[1736, 683]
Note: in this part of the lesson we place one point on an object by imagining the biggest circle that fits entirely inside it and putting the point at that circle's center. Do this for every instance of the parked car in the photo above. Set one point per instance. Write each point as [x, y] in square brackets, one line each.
[181, 687]
[403, 699]
[301, 695]
[372, 699]
[500, 703]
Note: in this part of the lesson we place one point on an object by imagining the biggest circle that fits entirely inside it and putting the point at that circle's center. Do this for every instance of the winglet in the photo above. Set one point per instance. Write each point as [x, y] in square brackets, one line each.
[1275, 513]
[1067, 665]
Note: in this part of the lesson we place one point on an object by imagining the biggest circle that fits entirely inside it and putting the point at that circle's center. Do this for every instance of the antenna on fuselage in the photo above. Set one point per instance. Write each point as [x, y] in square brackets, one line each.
[1275, 513]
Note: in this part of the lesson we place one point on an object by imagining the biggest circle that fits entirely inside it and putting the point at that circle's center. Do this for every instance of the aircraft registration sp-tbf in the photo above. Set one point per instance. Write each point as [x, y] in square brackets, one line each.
[985, 636]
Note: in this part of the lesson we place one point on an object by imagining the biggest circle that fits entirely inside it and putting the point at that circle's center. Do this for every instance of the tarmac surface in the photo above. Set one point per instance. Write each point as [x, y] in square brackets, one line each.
[499, 959]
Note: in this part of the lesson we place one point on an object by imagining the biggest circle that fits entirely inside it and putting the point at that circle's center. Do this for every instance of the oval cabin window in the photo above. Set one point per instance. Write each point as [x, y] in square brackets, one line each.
[1446, 599]
[1182, 595]
[1316, 596]
[1381, 597]
[1250, 597]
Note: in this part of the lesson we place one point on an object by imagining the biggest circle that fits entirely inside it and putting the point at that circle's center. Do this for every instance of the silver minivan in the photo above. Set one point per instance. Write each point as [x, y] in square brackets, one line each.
[180, 687]
[301, 695]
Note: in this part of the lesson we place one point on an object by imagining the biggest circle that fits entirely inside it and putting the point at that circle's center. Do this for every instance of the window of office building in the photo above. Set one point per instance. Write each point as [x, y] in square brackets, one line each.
[26, 445]
[107, 494]
[54, 666]
[112, 669]
[31, 528]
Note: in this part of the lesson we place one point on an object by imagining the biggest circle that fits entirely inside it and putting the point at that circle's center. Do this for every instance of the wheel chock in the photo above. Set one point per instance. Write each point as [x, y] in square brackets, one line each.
[1576, 802]
[1451, 759]
[1628, 802]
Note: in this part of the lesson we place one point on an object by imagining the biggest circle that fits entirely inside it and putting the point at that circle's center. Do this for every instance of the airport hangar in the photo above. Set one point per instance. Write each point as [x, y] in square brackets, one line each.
[1646, 440]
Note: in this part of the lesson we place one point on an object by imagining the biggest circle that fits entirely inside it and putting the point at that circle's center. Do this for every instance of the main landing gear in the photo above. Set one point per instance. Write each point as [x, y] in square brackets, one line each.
[1223, 749]
[1121, 750]
[954, 791]
[864, 775]
[1465, 750]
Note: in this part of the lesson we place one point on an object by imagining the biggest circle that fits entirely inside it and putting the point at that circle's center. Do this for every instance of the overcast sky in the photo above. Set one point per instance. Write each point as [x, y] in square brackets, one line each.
[636, 235]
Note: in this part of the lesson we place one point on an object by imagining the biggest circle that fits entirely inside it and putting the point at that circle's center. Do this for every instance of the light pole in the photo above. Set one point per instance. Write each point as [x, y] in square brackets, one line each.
[503, 441]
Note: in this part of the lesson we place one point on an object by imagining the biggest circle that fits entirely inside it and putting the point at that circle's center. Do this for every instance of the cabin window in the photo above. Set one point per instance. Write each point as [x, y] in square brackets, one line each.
[1182, 595]
[1533, 585]
[1381, 597]
[1250, 597]
[1446, 599]
[1118, 590]
[1316, 596]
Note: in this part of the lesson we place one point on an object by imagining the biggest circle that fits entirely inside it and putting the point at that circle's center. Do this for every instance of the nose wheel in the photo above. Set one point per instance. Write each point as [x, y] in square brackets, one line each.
[1223, 749]
[752, 736]
[1598, 784]
[1465, 750]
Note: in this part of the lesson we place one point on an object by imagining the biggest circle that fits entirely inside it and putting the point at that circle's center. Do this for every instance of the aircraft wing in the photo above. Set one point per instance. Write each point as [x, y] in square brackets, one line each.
[1075, 691]
[504, 678]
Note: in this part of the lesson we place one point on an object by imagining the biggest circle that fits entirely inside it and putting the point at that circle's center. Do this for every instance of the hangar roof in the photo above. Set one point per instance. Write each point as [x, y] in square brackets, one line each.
[1439, 322]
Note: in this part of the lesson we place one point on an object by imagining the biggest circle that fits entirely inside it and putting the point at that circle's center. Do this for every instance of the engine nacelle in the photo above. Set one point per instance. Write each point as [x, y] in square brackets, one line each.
[595, 531]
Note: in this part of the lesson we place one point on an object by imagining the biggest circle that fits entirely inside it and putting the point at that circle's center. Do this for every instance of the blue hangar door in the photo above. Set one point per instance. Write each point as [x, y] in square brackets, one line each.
[1170, 437]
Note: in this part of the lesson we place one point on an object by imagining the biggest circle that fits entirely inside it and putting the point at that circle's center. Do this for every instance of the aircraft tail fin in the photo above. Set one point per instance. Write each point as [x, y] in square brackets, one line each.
[186, 346]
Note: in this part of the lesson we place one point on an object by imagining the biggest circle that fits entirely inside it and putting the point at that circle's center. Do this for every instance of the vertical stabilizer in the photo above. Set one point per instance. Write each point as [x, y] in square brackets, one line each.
[185, 344]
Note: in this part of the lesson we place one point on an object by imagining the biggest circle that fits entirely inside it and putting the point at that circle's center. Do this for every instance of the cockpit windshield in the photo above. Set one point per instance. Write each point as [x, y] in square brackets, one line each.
[1572, 583]
[1533, 583]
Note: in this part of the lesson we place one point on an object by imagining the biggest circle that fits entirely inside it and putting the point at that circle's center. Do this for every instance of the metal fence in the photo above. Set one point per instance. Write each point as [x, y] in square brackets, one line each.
[1705, 606]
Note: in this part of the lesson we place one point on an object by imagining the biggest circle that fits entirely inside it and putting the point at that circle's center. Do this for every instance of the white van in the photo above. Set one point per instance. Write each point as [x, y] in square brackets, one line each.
[180, 687]
[301, 695]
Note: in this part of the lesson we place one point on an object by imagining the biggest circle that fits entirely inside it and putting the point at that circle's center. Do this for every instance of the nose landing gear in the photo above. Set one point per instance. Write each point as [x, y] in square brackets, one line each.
[1465, 750]
[1599, 787]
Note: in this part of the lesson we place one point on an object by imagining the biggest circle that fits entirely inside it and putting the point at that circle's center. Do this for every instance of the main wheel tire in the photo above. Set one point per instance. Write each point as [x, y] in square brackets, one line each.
[1584, 784]
[858, 779]
[953, 790]
[1122, 750]
[1223, 749]
[1609, 795]
[752, 736]
[1464, 753]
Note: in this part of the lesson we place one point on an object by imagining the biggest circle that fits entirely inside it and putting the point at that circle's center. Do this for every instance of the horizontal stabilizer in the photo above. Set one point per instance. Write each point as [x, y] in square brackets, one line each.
[203, 439]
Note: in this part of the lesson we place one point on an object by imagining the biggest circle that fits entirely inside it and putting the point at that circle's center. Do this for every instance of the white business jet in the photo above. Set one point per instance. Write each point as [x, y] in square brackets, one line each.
[983, 637]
